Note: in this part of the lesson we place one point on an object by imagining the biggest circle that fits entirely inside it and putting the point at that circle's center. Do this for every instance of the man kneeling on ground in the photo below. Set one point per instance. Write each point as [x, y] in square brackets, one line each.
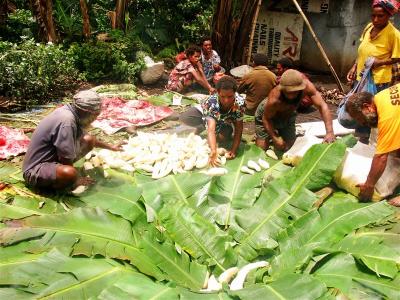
[276, 115]
[59, 141]
[382, 112]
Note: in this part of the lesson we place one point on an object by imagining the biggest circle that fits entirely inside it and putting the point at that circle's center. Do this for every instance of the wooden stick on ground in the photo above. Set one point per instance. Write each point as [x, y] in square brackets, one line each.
[319, 45]
[253, 28]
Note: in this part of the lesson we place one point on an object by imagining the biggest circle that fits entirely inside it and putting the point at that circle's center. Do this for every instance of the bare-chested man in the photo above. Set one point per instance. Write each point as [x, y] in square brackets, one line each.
[276, 115]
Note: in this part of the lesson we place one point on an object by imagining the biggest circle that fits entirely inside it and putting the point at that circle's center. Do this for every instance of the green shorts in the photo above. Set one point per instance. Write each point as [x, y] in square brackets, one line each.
[286, 128]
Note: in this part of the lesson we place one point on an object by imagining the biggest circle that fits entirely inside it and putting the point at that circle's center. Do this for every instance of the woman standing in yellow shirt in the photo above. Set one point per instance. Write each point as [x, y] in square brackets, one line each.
[380, 40]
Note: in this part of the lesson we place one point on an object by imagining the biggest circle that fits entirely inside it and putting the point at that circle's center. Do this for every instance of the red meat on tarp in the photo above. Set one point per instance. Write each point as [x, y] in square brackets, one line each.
[12, 142]
[116, 113]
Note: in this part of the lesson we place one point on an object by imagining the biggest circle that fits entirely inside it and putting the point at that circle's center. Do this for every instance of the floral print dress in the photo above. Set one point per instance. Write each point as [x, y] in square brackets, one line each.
[211, 109]
[208, 64]
[181, 76]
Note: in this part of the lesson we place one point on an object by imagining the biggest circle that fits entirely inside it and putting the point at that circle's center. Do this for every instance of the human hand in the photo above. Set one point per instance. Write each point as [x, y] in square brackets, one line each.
[213, 160]
[212, 90]
[352, 75]
[329, 138]
[117, 147]
[230, 155]
[279, 143]
[366, 192]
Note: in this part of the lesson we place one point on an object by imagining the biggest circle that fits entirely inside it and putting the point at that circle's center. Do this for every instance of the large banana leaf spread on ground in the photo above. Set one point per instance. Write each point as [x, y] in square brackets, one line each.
[131, 237]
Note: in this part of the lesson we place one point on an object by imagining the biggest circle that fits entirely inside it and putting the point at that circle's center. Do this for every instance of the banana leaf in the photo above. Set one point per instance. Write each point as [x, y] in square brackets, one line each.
[389, 234]
[57, 276]
[321, 228]
[13, 260]
[85, 231]
[22, 207]
[198, 237]
[14, 294]
[342, 272]
[177, 267]
[116, 194]
[138, 287]
[370, 250]
[284, 200]
[294, 286]
[235, 190]
[165, 99]
[186, 295]
[171, 189]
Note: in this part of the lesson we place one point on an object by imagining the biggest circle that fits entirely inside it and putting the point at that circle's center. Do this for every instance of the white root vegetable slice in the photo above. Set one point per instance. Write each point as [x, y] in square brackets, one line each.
[88, 166]
[79, 190]
[213, 285]
[216, 172]
[202, 162]
[238, 282]
[222, 160]
[253, 165]
[271, 154]
[264, 164]
[246, 170]
[96, 161]
[227, 276]
[221, 151]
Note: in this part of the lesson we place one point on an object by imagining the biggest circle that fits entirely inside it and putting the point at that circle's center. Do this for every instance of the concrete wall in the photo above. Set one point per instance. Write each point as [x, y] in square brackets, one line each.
[339, 32]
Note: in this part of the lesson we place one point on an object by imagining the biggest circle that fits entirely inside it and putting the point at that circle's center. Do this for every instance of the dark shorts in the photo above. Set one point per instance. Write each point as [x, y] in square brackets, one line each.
[42, 175]
[286, 128]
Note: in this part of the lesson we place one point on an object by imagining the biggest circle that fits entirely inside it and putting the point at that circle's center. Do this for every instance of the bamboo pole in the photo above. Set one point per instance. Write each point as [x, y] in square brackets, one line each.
[319, 45]
[253, 28]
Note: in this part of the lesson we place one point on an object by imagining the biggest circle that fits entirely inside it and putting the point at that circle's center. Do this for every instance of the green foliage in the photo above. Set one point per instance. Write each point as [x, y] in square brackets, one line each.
[35, 71]
[101, 61]
[139, 238]
[19, 23]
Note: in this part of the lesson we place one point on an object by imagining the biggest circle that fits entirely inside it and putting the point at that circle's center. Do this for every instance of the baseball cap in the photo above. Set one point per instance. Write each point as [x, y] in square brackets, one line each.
[292, 81]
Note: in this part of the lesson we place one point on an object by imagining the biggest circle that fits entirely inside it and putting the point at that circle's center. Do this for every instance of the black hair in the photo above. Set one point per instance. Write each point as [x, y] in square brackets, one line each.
[356, 101]
[286, 62]
[226, 83]
[192, 50]
[205, 38]
[260, 59]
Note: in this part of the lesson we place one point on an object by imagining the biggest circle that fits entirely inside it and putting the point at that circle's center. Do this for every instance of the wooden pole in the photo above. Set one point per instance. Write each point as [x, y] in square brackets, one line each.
[253, 28]
[319, 45]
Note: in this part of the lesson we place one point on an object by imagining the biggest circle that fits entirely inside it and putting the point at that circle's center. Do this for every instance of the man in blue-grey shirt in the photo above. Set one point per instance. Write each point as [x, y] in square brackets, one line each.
[59, 141]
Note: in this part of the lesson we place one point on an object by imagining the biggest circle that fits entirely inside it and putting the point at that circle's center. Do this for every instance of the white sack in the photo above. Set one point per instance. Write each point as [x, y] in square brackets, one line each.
[299, 148]
[355, 169]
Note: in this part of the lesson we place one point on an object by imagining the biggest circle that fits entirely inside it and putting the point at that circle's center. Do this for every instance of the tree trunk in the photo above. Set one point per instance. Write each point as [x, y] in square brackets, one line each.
[85, 18]
[232, 29]
[120, 10]
[3, 12]
[43, 12]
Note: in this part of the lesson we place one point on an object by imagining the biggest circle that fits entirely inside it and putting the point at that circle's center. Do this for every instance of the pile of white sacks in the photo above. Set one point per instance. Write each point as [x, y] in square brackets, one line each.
[355, 166]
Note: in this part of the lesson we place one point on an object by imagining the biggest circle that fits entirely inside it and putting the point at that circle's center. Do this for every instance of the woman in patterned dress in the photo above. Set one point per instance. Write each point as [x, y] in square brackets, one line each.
[187, 72]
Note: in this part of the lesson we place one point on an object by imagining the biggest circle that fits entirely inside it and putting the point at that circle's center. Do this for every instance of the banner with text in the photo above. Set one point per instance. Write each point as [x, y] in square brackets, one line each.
[278, 34]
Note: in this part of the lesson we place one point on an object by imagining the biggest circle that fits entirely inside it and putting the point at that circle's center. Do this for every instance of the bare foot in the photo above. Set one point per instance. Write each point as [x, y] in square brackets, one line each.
[395, 201]
[85, 181]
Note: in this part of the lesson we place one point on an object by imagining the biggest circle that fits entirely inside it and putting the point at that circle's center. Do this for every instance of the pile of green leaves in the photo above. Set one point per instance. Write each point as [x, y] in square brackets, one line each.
[34, 71]
[131, 237]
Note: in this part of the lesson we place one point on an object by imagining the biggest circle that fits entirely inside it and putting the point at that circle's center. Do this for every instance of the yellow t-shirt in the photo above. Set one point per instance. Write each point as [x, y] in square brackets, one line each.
[388, 105]
[385, 45]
